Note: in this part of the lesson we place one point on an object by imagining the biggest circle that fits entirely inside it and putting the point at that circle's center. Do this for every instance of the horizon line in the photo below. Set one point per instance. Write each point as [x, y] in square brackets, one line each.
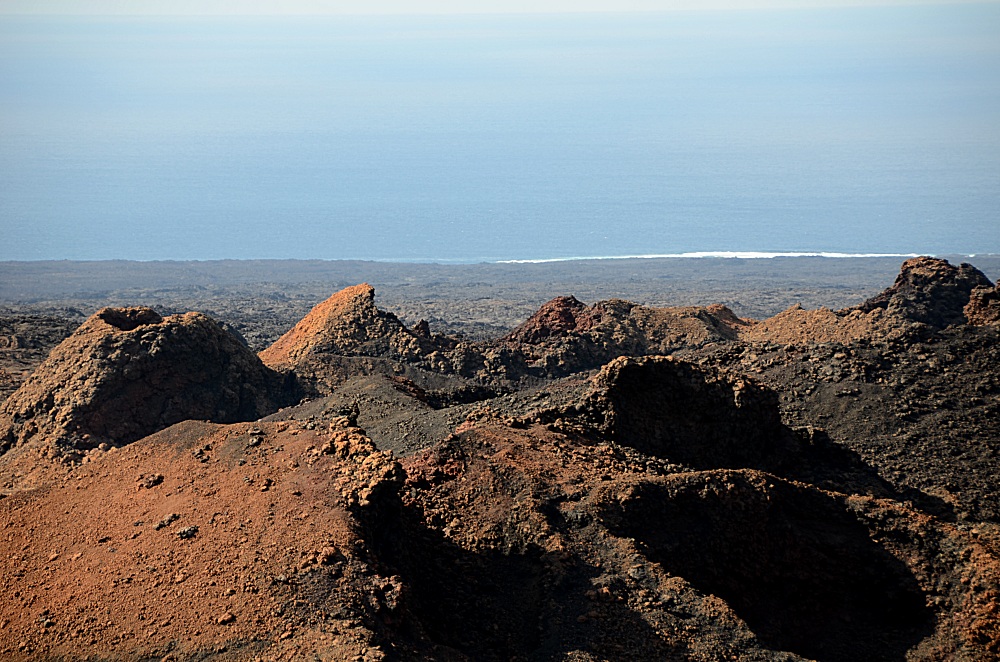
[195, 8]
[691, 255]
[738, 255]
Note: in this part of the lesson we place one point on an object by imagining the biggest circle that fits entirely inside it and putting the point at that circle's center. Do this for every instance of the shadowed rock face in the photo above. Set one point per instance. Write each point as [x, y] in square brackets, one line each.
[696, 416]
[931, 291]
[796, 565]
[128, 372]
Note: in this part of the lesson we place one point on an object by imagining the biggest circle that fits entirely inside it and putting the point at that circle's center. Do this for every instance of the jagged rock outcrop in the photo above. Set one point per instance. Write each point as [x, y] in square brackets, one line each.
[619, 555]
[565, 336]
[128, 372]
[346, 324]
[557, 318]
[929, 290]
[984, 306]
[347, 335]
[695, 416]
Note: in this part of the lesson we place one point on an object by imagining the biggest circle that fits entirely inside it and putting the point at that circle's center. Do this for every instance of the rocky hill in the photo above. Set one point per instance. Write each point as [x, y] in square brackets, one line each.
[127, 373]
[604, 482]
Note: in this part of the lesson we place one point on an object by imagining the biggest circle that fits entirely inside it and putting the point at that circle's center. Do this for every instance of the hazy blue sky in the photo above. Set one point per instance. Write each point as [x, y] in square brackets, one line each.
[414, 7]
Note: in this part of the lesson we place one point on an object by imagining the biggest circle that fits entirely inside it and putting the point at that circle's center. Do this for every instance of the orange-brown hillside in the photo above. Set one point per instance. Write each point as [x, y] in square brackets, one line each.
[348, 323]
[606, 482]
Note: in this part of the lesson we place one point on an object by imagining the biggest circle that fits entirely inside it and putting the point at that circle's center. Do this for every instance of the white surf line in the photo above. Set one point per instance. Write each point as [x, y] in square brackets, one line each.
[743, 255]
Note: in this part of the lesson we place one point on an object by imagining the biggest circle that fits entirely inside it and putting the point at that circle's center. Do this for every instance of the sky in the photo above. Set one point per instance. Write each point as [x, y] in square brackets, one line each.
[213, 7]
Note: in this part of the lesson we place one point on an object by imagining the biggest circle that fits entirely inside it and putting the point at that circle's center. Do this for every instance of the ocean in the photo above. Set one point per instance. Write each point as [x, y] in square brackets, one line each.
[492, 138]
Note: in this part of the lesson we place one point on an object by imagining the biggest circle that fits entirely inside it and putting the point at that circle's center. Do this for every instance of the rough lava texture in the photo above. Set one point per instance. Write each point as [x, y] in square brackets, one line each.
[984, 306]
[931, 291]
[928, 292]
[25, 341]
[347, 335]
[346, 324]
[663, 407]
[556, 319]
[128, 372]
[559, 549]
[565, 336]
[820, 486]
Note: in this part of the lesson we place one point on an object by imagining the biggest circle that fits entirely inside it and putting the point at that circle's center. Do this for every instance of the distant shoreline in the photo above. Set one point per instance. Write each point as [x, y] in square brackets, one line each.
[266, 297]
[467, 262]
[738, 255]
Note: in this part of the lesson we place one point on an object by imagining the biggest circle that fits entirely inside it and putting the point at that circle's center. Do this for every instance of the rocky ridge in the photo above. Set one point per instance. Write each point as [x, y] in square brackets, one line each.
[605, 482]
[127, 373]
[930, 291]
[984, 306]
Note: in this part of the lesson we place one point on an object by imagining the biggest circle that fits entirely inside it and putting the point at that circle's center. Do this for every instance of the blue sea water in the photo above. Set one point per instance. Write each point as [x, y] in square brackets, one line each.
[478, 138]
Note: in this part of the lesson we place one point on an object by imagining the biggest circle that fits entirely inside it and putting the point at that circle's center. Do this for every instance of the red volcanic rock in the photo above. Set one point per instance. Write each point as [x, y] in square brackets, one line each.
[984, 306]
[929, 290]
[284, 568]
[559, 317]
[798, 326]
[607, 321]
[589, 543]
[128, 372]
[346, 324]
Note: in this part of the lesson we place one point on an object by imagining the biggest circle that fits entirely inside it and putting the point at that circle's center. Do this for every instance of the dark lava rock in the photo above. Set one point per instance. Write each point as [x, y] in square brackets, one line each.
[565, 336]
[697, 416]
[187, 532]
[931, 291]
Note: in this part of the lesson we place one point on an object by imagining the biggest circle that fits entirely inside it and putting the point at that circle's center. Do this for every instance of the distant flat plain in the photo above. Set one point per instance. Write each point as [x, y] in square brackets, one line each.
[263, 298]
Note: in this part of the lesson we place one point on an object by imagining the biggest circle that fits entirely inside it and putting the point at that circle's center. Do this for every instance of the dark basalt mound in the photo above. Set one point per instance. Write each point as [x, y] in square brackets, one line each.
[700, 417]
[798, 567]
[697, 417]
[564, 336]
[128, 372]
[929, 290]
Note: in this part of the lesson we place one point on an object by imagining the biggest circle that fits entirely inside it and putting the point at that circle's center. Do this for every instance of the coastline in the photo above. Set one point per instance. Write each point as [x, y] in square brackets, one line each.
[736, 255]
[477, 299]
